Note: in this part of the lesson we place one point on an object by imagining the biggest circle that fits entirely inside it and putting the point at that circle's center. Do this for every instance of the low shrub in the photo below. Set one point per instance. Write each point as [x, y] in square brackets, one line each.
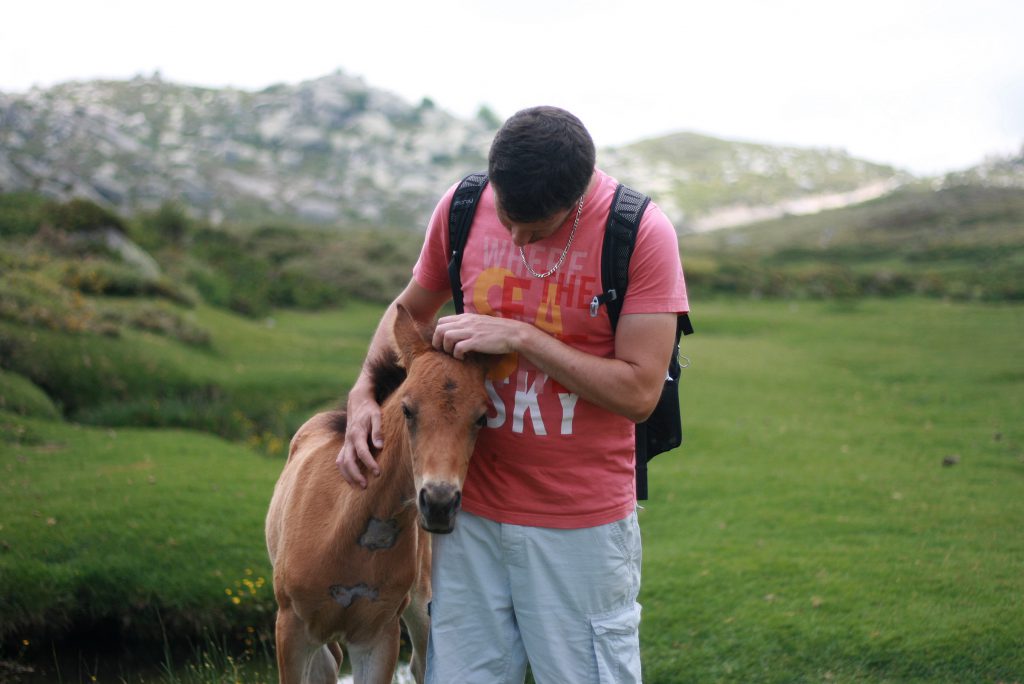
[81, 215]
[32, 299]
[20, 396]
[83, 370]
[166, 322]
[21, 213]
[106, 277]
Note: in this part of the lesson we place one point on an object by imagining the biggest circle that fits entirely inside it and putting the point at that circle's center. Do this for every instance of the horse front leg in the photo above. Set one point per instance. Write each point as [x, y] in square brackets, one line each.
[300, 660]
[374, 662]
[415, 616]
[417, 622]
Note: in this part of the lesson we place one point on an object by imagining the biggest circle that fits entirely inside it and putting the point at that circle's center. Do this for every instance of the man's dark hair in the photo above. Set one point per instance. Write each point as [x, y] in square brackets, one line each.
[540, 163]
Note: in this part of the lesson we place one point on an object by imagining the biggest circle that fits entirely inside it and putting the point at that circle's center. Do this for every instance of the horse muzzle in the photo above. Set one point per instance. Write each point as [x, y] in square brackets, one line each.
[438, 503]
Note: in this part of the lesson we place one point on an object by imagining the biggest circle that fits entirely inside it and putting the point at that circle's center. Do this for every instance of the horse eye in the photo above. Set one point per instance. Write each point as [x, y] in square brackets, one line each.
[407, 412]
[482, 421]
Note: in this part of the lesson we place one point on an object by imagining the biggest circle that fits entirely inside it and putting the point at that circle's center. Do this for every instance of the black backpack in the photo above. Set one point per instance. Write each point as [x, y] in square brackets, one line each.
[663, 430]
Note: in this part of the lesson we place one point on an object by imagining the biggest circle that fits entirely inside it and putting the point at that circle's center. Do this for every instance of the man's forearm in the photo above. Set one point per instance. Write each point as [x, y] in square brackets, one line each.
[613, 384]
[628, 384]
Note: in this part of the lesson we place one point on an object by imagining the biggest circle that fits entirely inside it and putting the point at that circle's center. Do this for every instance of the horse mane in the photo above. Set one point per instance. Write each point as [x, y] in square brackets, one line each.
[387, 375]
[338, 421]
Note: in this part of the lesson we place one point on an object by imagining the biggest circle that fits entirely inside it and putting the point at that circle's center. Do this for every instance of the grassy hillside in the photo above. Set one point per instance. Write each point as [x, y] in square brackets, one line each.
[130, 323]
[965, 242]
[109, 532]
[806, 531]
[696, 174]
[255, 381]
[121, 537]
[845, 507]
[145, 405]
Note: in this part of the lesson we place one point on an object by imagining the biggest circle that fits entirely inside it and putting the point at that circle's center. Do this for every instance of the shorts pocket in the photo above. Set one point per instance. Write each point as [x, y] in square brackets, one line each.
[617, 645]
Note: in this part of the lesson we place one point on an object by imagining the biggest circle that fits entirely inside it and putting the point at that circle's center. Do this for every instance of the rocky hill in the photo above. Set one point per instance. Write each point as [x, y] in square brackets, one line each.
[996, 171]
[328, 150]
[336, 151]
[706, 183]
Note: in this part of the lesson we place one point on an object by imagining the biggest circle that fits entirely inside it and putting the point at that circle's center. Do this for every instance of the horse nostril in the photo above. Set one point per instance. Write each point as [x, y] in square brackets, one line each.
[453, 507]
[439, 499]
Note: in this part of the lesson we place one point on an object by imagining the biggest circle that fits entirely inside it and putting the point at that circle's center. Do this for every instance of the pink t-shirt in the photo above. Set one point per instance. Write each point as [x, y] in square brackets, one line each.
[548, 458]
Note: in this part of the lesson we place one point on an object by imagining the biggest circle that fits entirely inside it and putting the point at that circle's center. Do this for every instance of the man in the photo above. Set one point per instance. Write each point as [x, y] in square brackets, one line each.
[544, 563]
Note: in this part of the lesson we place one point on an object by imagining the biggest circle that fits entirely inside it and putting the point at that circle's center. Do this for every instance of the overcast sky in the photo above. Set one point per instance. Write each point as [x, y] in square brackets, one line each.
[925, 85]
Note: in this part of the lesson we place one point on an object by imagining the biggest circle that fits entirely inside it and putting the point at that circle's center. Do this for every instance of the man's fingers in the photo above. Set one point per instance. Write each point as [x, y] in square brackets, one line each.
[438, 341]
[458, 350]
[366, 458]
[356, 453]
[377, 435]
[448, 331]
[349, 469]
[350, 475]
[459, 335]
[447, 337]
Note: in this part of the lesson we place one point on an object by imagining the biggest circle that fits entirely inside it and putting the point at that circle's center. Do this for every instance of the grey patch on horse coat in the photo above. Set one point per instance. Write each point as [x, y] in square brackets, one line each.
[346, 595]
[379, 534]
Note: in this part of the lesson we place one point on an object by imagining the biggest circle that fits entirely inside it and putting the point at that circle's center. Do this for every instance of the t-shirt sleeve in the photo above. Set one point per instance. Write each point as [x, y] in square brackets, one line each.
[656, 282]
[431, 269]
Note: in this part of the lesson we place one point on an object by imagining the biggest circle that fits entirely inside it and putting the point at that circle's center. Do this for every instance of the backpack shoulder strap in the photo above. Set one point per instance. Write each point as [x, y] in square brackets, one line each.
[460, 218]
[627, 209]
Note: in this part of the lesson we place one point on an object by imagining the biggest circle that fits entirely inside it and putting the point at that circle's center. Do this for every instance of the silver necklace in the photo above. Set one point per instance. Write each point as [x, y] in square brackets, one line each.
[522, 254]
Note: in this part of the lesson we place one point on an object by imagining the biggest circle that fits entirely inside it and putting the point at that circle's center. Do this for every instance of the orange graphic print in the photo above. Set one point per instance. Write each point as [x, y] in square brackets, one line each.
[498, 291]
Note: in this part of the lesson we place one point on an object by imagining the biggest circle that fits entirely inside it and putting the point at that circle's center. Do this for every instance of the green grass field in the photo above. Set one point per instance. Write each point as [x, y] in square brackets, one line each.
[961, 242]
[807, 530]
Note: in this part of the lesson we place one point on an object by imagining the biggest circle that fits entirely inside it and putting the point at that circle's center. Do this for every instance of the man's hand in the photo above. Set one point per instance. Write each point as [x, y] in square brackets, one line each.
[362, 424]
[465, 333]
[628, 384]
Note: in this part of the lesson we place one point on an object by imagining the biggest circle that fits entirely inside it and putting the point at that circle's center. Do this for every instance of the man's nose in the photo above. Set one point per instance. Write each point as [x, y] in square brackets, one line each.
[520, 236]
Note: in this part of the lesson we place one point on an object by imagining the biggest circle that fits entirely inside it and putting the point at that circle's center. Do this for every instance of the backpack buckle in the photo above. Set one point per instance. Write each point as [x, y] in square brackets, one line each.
[595, 303]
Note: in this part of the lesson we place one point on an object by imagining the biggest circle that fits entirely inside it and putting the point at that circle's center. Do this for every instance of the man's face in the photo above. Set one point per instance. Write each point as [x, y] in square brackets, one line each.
[524, 233]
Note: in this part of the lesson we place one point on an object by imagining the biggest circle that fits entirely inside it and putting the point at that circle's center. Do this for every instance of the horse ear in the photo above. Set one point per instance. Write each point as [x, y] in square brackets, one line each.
[409, 340]
[496, 367]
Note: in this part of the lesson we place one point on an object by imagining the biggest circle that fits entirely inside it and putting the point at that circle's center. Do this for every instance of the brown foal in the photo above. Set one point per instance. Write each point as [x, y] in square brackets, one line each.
[348, 562]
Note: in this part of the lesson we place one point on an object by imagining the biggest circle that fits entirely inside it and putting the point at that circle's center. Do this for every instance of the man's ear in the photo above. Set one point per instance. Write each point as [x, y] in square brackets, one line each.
[409, 339]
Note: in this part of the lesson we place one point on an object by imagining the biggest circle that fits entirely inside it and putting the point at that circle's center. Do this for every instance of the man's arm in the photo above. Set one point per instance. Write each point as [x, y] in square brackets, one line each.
[363, 423]
[629, 384]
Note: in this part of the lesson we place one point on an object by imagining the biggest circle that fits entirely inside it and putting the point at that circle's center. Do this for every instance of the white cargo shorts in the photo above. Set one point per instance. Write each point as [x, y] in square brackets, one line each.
[562, 600]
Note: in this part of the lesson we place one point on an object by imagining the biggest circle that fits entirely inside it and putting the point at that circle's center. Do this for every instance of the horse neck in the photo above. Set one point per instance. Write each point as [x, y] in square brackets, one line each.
[395, 486]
